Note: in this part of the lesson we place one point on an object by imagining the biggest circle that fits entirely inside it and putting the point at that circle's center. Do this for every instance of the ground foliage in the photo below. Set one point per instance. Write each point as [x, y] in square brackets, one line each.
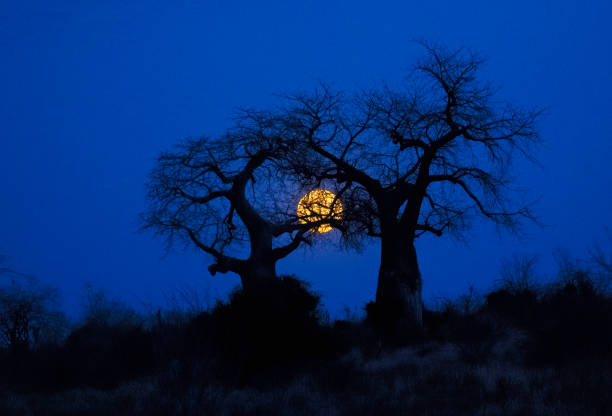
[518, 349]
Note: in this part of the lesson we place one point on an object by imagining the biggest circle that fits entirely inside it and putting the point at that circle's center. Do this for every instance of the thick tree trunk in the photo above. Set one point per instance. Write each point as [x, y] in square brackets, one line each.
[260, 267]
[399, 279]
[258, 272]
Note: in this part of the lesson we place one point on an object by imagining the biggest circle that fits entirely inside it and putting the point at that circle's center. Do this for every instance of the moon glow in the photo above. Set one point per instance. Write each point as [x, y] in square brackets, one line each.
[318, 205]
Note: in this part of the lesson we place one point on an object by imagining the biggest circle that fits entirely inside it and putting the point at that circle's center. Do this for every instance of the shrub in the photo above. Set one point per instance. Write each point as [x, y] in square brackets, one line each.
[103, 355]
[573, 321]
[29, 314]
[266, 328]
[386, 321]
[517, 306]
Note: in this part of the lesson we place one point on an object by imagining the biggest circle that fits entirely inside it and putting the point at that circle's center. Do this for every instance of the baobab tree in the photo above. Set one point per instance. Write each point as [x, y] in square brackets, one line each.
[420, 159]
[221, 194]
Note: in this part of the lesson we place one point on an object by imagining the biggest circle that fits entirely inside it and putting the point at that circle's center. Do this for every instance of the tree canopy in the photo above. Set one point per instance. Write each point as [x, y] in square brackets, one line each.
[422, 158]
[224, 193]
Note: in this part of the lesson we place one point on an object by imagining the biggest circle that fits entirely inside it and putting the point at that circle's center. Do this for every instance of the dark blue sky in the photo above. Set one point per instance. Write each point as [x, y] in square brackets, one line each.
[90, 92]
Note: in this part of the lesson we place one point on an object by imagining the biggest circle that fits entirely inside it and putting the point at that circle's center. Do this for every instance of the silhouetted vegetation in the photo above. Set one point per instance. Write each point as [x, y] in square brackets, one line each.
[208, 193]
[525, 347]
[274, 328]
[29, 313]
[403, 163]
[423, 158]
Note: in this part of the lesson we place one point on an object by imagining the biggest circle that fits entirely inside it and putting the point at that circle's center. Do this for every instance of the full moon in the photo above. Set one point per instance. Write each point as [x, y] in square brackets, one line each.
[316, 205]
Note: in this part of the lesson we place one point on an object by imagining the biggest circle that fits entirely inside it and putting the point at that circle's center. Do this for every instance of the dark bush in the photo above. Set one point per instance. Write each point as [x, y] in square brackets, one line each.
[198, 335]
[439, 324]
[266, 328]
[386, 321]
[516, 306]
[93, 355]
[359, 335]
[103, 355]
[573, 321]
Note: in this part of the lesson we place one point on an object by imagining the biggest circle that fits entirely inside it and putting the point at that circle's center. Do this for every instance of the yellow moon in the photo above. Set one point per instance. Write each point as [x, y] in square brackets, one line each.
[318, 205]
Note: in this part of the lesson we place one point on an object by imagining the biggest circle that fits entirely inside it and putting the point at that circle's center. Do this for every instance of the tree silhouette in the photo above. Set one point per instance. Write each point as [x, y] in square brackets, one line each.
[417, 160]
[29, 314]
[219, 194]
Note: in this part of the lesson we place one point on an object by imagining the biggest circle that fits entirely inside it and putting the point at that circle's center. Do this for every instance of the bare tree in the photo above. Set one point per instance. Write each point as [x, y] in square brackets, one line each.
[29, 314]
[222, 194]
[601, 261]
[518, 274]
[100, 308]
[418, 160]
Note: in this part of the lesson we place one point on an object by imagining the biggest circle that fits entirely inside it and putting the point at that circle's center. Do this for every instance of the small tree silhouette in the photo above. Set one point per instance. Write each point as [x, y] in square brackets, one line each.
[601, 260]
[29, 314]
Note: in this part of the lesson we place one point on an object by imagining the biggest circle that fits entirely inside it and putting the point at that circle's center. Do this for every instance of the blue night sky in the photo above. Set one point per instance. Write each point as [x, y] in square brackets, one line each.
[91, 92]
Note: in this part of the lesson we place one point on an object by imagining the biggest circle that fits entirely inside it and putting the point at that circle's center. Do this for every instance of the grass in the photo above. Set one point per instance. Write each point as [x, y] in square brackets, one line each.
[424, 380]
[243, 359]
